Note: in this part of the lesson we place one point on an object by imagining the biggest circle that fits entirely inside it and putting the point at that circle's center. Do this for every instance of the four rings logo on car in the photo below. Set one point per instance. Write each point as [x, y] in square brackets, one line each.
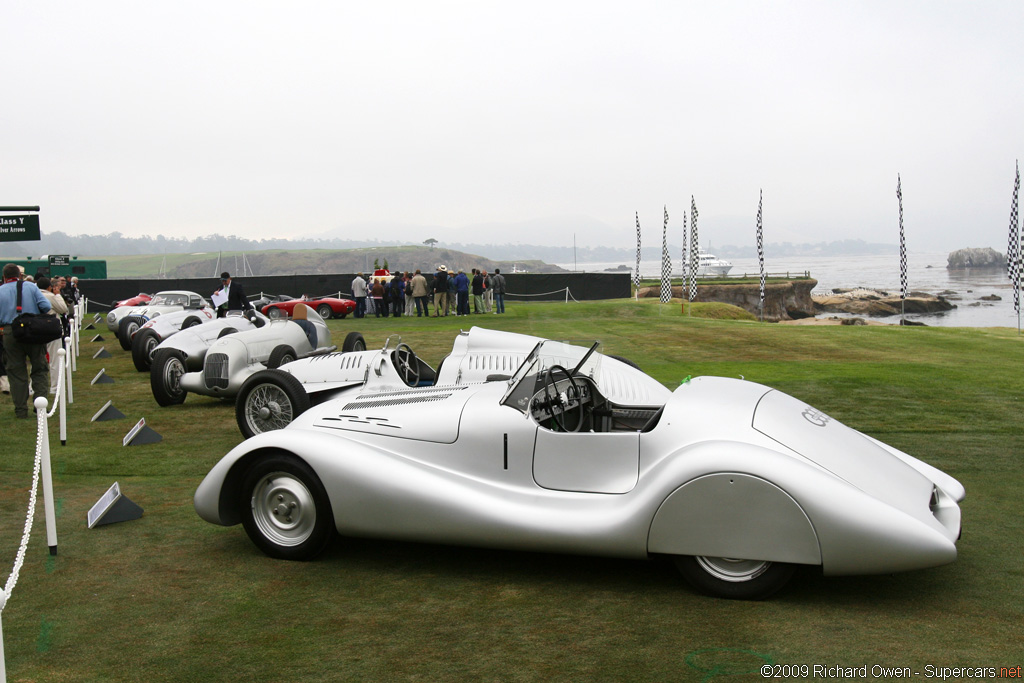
[816, 417]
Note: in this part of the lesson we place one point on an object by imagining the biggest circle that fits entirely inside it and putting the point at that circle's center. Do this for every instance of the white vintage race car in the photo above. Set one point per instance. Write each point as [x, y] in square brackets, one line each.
[125, 321]
[231, 359]
[271, 399]
[200, 333]
[145, 339]
[737, 482]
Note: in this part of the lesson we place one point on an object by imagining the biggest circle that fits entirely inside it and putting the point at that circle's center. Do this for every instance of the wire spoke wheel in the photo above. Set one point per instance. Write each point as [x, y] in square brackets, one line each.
[268, 407]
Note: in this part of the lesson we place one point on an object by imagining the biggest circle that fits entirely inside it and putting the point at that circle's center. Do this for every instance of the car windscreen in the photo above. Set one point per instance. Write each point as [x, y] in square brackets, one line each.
[529, 378]
[169, 300]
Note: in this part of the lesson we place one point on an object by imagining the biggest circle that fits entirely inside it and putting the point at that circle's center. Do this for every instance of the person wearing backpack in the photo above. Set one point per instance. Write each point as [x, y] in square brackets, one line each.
[20, 354]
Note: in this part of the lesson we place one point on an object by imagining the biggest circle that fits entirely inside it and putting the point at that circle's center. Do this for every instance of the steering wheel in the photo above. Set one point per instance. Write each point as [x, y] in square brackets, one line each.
[407, 365]
[554, 403]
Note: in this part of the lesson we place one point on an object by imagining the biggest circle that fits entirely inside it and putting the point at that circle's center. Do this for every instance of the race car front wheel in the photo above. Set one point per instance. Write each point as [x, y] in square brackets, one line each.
[286, 511]
[735, 579]
[269, 400]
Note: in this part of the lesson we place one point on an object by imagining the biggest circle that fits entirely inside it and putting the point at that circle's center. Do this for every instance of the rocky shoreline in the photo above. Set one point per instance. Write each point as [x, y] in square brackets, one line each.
[793, 300]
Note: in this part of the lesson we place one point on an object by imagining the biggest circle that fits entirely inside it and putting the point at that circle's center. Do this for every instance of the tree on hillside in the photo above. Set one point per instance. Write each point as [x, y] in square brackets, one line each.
[430, 242]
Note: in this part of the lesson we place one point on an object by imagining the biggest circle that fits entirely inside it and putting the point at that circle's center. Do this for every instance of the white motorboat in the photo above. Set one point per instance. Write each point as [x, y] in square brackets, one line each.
[709, 264]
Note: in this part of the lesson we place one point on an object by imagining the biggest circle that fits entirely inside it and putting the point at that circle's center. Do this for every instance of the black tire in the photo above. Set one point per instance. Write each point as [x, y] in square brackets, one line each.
[190, 321]
[143, 345]
[226, 331]
[275, 313]
[734, 579]
[280, 355]
[285, 509]
[269, 400]
[625, 360]
[353, 342]
[165, 377]
[325, 311]
[128, 326]
[342, 315]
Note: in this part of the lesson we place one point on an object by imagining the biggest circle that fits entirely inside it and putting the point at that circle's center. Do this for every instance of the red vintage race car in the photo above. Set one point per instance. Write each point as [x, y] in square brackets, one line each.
[136, 300]
[325, 306]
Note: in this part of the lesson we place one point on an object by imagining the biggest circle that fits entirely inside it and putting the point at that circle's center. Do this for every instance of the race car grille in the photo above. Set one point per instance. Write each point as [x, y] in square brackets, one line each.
[215, 371]
[387, 402]
[401, 398]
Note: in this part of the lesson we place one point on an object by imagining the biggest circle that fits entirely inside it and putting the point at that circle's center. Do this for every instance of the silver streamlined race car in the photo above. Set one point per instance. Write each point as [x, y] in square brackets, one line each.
[735, 481]
[145, 339]
[189, 338]
[125, 321]
[271, 399]
[231, 359]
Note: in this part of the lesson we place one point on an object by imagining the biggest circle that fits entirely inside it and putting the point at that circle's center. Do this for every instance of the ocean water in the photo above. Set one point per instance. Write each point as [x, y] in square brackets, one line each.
[926, 272]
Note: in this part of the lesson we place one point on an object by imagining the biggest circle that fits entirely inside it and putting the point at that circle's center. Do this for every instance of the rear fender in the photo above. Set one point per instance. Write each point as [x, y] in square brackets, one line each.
[734, 515]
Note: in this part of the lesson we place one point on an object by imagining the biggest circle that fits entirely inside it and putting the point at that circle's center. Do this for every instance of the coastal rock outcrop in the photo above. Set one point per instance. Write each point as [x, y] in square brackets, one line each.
[876, 303]
[975, 258]
[790, 300]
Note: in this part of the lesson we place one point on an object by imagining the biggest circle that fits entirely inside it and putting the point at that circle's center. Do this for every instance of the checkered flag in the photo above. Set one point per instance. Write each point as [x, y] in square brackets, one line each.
[694, 249]
[686, 263]
[760, 248]
[903, 245]
[636, 272]
[1013, 247]
[666, 264]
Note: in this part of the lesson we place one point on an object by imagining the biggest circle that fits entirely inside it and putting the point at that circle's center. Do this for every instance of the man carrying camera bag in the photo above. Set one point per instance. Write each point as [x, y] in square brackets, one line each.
[32, 301]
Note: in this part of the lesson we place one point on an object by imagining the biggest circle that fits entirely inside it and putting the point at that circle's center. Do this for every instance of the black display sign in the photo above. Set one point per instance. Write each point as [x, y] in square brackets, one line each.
[19, 228]
[60, 260]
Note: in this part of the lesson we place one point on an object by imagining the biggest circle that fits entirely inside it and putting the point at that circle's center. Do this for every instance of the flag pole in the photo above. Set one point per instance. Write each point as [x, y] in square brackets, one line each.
[636, 272]
[760, 250]
[902, 256]
[1014, 248]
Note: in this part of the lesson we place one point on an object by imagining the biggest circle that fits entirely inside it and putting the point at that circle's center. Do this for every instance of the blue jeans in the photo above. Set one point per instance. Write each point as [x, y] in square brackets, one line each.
[360, 307]
[422, 307]
[499, 302]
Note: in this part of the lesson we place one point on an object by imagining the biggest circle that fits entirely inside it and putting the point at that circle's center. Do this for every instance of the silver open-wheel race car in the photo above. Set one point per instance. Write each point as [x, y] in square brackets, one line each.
[271, 399]
[220, 367]
[736, 482]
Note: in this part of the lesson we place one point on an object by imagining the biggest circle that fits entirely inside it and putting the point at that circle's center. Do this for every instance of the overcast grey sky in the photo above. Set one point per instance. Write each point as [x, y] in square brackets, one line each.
[432, 119]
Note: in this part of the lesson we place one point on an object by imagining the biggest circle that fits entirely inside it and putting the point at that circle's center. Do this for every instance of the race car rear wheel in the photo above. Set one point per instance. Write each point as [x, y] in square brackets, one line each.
[286, 511]
[269, 400]
[130, 324]
[145, 341]
[165, 377]
[325, 311]
[353, 342]
[735, 579]
[190, 321]
[280, 355]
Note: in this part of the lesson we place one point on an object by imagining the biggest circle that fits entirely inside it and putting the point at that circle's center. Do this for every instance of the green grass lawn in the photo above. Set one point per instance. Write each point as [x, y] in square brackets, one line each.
[169, 597]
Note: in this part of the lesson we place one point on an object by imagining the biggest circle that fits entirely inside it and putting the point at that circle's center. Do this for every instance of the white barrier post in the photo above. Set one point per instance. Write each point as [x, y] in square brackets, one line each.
[73, 345]
[44, 446]
[62, 395]
[67, 377]
[3, 665]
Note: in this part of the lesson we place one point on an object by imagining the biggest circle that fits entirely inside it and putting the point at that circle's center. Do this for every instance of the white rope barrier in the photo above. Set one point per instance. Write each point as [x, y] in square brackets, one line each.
[568, 294]
[41, 466]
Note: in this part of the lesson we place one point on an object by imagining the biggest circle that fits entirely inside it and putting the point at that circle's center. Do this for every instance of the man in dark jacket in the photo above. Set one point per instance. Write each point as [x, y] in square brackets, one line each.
[237, 301]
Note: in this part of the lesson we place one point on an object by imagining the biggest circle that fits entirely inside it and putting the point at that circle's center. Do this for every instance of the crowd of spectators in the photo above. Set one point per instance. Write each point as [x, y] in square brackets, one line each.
[448, 293]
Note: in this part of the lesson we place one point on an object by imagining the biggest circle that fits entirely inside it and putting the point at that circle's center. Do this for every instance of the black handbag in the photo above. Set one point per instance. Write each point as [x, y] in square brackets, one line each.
[30, 328]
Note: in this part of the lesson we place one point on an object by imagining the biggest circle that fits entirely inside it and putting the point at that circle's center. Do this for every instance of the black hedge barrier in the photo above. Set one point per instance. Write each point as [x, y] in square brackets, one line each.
[520, 286]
